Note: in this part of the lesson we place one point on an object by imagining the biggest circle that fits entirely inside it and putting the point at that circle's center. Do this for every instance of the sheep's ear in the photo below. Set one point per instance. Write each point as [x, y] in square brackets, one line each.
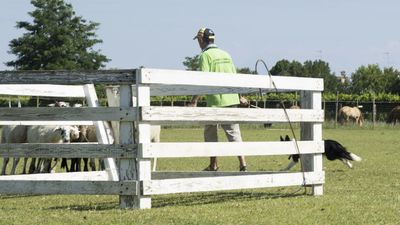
[281, 138]
[287, 138]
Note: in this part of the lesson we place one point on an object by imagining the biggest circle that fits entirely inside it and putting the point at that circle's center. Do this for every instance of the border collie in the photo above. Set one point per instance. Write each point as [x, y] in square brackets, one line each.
[333, 150]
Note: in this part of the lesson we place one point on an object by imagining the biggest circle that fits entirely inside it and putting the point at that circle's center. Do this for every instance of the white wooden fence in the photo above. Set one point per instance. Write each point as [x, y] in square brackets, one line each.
[132, 178]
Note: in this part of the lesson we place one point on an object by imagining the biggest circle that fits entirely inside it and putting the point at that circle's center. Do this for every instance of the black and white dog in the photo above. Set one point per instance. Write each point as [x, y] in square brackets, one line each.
[333, 150]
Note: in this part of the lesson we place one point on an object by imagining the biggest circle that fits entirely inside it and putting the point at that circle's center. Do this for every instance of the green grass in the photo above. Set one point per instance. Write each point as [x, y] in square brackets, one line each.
[367, 194]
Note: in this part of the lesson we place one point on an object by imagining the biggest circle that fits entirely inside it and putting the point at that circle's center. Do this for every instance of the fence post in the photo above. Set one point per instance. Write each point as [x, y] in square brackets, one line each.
[311, 131]
[336, 108]
[126, 167]
[143, 137]
[373, 110]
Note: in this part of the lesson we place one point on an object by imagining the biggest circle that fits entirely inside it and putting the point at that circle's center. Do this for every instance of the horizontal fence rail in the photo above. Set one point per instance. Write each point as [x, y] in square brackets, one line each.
[81, 150]
[69, 77]
[200, 184]
[45, 123]
[73, 91]
[201, 149]
[175, 82]
[68, 114]
[75, 176]
[50, 187]
[209, 115]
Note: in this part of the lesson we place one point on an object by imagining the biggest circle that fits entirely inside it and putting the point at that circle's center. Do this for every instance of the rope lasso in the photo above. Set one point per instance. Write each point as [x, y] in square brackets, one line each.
[287, 118]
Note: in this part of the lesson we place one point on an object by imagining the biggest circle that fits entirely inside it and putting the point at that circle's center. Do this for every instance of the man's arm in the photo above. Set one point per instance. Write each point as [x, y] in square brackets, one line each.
[194, 100]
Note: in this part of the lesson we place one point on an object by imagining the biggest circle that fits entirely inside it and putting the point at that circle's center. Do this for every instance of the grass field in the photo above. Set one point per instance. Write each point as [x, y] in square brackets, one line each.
[367, 194]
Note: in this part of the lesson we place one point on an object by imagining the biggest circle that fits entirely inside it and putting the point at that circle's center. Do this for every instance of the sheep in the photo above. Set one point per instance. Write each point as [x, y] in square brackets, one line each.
[88, 134]
[155, 131]
[49, 134]
[13, 134]
[36, 134]
[19, 134]
[59, 104]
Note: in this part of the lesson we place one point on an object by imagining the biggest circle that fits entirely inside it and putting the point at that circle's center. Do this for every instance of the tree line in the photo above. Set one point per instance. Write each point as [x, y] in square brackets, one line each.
[370, 79]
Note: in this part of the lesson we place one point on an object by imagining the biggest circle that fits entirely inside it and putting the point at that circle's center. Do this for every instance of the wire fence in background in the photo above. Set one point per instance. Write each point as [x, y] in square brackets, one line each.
[372, 111]
[381, 112]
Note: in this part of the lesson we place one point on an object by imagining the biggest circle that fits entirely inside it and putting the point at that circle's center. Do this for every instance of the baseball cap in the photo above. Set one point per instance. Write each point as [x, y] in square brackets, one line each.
[205, 33]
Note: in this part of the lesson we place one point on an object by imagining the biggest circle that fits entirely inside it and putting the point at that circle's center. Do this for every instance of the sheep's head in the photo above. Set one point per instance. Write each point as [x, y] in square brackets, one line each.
[59, 104]
[74, 133]
[69, 133]
[62, 104]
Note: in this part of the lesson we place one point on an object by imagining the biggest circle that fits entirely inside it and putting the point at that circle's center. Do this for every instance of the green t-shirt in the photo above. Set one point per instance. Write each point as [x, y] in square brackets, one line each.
[214, 59]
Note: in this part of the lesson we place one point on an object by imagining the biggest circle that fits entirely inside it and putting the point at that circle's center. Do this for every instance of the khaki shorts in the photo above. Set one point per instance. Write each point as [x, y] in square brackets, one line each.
[232, 132]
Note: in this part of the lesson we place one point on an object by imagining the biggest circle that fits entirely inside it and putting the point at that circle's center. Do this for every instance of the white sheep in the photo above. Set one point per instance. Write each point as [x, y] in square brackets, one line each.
[88, 134]
[37, 134]
[13, 134]
[49, 134]
[155, 131]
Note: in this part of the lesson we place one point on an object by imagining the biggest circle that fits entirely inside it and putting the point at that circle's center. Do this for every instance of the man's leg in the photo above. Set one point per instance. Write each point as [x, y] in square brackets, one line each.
[232, 132]
[211, 135]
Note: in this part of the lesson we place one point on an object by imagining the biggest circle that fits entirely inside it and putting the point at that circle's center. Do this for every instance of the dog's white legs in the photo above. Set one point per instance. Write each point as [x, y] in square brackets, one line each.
[347, 163]
[290, 166]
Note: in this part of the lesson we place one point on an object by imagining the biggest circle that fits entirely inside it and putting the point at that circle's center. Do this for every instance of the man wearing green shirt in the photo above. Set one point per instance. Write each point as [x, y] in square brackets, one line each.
[213, 59]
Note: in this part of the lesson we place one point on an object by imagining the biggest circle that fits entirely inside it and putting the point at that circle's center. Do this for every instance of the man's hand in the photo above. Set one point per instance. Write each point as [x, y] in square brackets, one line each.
[244, 102]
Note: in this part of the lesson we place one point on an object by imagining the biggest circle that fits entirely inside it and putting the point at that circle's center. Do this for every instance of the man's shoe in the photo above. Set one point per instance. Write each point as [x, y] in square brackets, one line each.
[210, 168]
[243, 168]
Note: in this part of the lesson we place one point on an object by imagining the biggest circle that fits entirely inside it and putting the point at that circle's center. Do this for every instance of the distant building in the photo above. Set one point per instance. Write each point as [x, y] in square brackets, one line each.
[343, 79]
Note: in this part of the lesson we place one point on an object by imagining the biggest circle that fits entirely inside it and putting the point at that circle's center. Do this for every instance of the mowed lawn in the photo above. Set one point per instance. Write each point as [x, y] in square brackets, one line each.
[367, 194]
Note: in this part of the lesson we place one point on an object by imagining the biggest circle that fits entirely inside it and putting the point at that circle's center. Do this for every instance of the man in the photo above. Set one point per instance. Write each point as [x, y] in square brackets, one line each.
[213, 59]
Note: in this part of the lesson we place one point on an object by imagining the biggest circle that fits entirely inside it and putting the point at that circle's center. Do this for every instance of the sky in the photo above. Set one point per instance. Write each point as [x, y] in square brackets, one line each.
[159, 34]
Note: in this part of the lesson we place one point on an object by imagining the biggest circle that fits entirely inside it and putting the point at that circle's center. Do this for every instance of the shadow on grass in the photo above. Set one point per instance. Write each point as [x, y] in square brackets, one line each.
[16, 196]
[219, 197]
[101, 206]
[188, 200]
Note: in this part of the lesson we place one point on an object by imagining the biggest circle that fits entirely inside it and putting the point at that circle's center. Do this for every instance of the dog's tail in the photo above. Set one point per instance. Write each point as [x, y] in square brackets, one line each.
[355, 157]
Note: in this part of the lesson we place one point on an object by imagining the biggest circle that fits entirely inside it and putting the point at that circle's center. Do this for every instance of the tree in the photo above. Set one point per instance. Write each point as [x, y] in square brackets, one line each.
[56, 39]
[317, 69]
[391, 80]
[368, 78]
[245, 70]
[192, 63]
[321, 69]
[372, 78]
[286, 68]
